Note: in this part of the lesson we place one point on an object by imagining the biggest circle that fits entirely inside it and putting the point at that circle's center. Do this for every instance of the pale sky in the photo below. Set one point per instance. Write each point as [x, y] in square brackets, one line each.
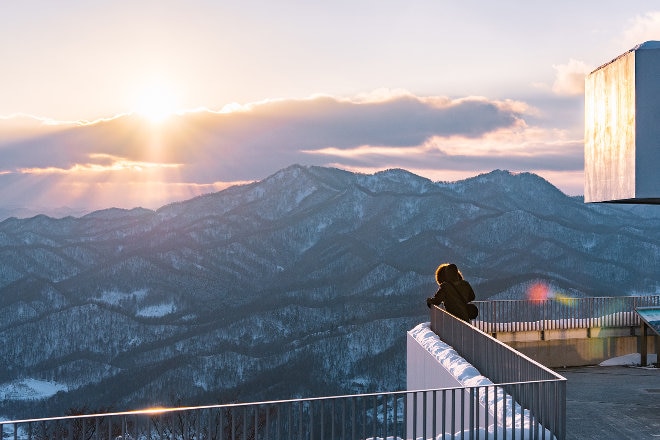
[361, 85]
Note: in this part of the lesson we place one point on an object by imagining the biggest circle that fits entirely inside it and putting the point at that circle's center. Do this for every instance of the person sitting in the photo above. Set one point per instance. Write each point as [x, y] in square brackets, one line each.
[454, 292]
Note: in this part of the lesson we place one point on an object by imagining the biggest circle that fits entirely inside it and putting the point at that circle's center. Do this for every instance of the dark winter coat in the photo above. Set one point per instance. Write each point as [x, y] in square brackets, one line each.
[455, 295]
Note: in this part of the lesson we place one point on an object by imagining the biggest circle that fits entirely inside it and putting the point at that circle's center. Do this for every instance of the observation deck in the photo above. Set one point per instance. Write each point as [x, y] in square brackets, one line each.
[513, 395]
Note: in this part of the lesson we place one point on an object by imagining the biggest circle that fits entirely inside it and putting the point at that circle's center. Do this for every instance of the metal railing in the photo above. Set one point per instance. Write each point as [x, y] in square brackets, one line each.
[397, 415]
[534, 403]
[341, 417]
[504, 365]
[560, 313]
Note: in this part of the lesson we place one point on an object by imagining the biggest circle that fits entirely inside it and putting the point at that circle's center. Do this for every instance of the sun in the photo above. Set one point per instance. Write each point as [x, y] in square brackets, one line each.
[156, 102]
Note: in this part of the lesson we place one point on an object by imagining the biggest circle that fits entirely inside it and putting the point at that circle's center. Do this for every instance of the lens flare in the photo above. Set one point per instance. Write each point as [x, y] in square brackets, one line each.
[538, 292]
[542, 291]
[564, 299]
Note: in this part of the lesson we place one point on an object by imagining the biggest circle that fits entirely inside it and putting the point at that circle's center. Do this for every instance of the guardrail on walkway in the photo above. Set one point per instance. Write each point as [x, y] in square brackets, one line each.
[560, 313]
[341, 417]
[504, 365]
[364, 416]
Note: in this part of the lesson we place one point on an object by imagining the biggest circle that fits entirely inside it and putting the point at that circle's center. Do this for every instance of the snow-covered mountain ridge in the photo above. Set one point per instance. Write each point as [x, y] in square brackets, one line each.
[298, 285]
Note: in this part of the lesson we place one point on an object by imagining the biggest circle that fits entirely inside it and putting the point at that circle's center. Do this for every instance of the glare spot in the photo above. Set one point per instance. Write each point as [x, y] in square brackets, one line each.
[156, 102]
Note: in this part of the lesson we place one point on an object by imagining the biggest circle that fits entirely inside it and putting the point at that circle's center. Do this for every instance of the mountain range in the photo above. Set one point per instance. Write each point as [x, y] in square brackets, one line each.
[299, 285]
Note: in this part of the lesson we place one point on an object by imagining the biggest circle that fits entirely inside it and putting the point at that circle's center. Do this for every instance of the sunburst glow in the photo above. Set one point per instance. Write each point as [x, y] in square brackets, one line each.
[157, 102]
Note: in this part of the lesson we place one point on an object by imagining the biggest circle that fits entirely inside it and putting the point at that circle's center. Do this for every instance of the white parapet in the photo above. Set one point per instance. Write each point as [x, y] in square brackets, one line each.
[431, 364]
[425, 372]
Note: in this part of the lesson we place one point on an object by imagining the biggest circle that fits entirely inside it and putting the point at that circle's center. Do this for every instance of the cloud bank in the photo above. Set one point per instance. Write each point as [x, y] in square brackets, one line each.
[570, 77]
[128, 162]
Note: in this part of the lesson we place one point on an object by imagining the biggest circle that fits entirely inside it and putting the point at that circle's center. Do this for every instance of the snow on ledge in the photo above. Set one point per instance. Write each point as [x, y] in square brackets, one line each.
[514, 420]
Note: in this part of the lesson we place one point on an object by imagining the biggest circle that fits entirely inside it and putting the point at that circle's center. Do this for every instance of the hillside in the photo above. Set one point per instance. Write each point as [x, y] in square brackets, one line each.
[298, 285]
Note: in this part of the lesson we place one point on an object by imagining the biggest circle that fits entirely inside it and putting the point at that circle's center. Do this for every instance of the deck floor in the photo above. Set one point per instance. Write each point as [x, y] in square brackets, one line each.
[613, 403]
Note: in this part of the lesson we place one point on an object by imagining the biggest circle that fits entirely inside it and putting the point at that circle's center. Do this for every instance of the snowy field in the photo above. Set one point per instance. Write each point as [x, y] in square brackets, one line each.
[30, 389]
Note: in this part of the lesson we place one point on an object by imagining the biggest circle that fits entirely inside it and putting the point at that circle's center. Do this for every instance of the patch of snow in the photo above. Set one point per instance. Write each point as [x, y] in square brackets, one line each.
[321, 226]
[303, 194]
[135, 342]
[30, 389]
[156, 311]
[633, 359]
[589, 244]
[115, 297]
[201, 383]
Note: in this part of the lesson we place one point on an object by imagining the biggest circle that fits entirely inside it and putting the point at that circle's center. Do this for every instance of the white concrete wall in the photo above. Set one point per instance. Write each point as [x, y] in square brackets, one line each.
[424, 372]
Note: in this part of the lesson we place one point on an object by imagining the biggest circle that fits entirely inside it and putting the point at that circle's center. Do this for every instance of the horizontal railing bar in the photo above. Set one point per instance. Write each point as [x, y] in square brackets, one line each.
[386, 417]
[166, 410]
[569, 299]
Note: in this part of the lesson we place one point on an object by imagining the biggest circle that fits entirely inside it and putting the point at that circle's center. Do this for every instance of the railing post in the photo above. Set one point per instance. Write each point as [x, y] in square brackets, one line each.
[406, 428]
[643, 348]
[473, 410]
[354, 419]
[495, 320]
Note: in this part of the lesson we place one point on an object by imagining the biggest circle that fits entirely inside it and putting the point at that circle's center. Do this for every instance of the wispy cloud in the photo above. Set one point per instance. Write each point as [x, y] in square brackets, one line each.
[642, 28]
[19, 119]
[106, 163]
